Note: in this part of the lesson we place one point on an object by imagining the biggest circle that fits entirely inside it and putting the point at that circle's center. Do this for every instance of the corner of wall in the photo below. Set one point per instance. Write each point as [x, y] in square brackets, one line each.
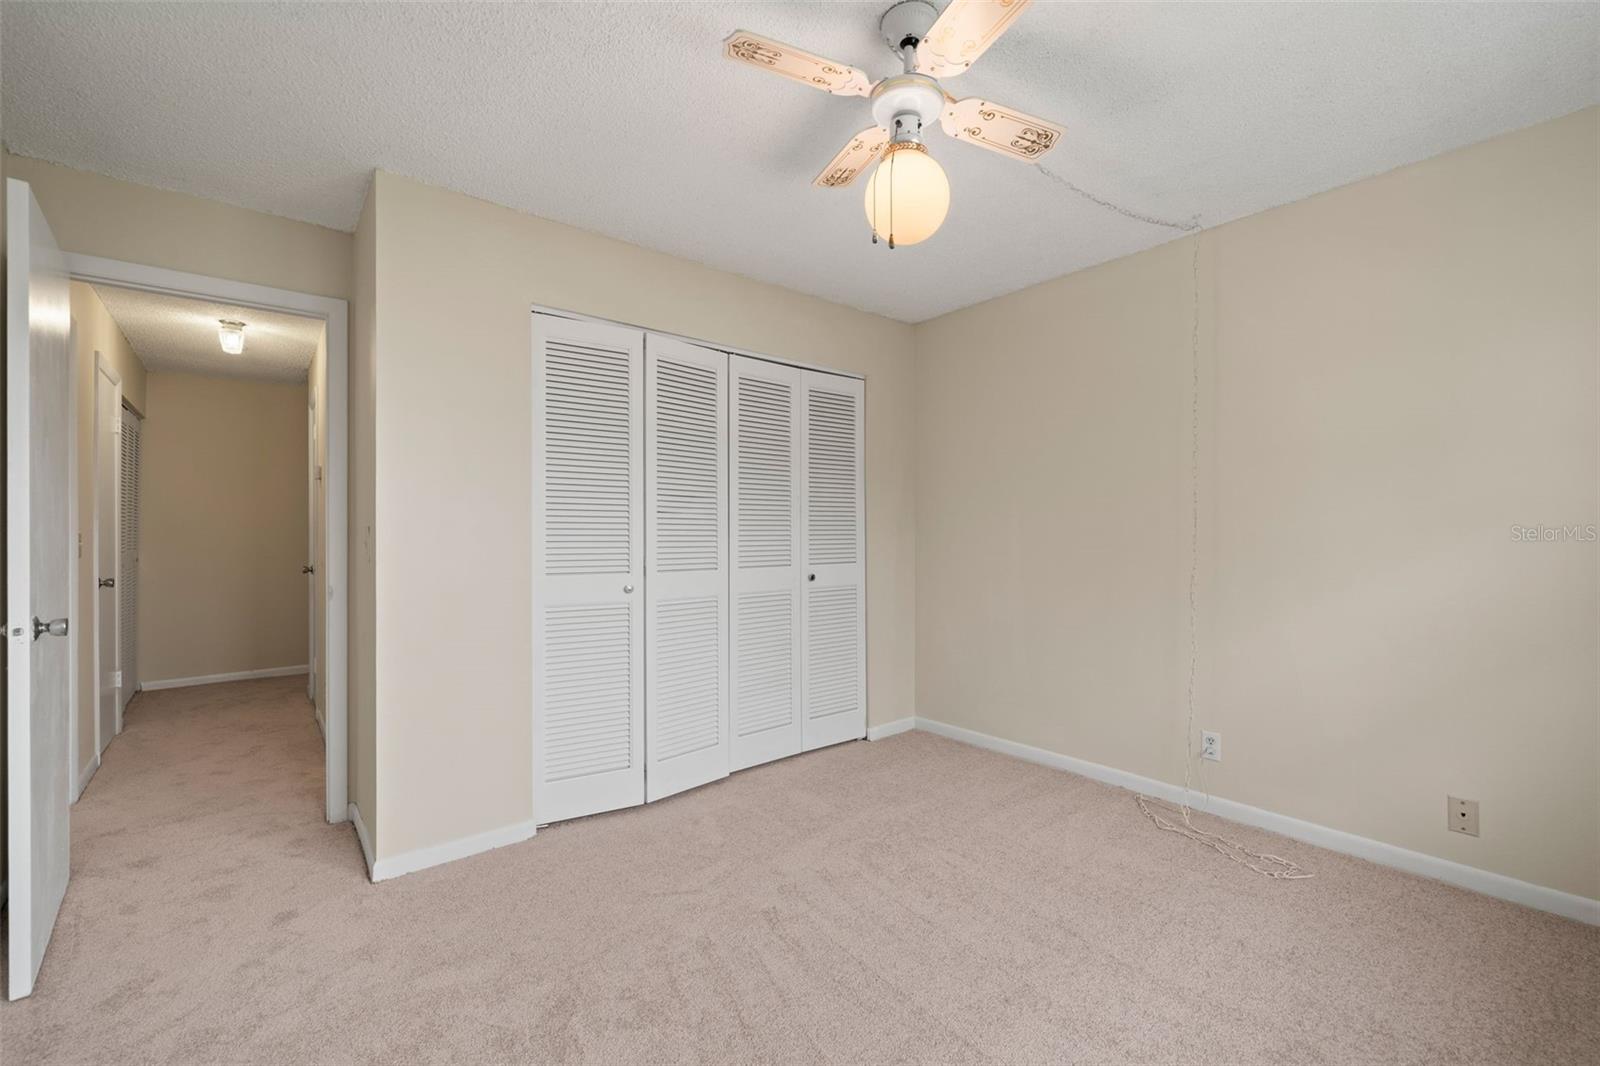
[362, 625]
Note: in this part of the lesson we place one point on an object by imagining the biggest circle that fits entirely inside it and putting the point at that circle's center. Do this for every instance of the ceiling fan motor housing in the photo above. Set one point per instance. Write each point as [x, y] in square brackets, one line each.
[907, 23]
[915, 99]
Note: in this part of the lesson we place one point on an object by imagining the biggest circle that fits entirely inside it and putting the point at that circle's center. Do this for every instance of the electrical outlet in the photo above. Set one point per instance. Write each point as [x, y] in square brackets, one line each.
[1462, 816]
[1211, 747]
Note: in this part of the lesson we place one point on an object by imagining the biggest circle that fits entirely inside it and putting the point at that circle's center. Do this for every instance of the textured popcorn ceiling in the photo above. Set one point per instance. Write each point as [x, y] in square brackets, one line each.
[625, 119]
[178, 333]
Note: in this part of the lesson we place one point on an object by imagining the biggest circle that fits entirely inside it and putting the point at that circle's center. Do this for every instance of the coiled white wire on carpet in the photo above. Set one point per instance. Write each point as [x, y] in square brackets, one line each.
[1262, 863]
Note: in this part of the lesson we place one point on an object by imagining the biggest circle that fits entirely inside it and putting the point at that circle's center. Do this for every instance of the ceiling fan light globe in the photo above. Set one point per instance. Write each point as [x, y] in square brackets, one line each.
[908, 196]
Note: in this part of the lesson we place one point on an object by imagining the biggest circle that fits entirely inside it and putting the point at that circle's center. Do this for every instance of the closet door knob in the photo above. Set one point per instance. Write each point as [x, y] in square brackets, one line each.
[627, 588]
[56, 627]
[811, 577]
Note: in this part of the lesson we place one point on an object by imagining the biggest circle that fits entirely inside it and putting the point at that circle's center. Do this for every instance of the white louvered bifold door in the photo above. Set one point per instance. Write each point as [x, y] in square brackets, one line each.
[833, 690]
[686, 589]
[764, 656]
[128, 552]
[588, 557]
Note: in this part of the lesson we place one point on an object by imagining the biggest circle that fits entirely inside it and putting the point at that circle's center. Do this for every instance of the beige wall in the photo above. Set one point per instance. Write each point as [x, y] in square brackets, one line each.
[1394, 374]
[222, 527]
[102, 216]
[362, 714]
[455, 281]
[93, 333]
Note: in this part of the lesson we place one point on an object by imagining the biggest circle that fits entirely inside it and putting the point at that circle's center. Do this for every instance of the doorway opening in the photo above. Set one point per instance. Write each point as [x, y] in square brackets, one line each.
[213, 528]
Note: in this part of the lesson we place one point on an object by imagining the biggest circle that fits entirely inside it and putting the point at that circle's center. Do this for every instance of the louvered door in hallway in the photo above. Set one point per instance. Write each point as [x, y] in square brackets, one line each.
[131, 478]
[699, 596]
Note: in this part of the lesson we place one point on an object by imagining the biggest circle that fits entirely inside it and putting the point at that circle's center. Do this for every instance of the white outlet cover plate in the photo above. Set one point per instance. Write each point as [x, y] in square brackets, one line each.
[1211, 746]
[1462, 815]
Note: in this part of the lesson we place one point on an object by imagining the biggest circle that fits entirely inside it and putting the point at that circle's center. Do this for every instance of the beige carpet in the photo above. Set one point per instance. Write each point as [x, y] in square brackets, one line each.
[909, 900]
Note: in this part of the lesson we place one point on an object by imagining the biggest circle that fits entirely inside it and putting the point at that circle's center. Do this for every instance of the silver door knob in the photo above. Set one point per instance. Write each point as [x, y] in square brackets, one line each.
[308, 569]
[56, 627]
[108, 582]
[627, 588]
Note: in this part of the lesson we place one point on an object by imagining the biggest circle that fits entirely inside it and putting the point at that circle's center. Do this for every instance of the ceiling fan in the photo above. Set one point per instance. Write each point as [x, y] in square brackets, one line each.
[908, 195]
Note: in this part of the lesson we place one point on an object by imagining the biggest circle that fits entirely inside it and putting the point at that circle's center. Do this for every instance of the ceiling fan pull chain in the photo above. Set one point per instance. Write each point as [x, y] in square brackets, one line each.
[874, 214]
[891, 195]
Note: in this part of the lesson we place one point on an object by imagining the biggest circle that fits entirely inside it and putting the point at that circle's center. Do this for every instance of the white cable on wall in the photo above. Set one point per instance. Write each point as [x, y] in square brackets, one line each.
[1262, 863]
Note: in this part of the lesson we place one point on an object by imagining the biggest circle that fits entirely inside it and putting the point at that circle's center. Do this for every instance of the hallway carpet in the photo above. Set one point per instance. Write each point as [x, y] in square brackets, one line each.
[907, 900]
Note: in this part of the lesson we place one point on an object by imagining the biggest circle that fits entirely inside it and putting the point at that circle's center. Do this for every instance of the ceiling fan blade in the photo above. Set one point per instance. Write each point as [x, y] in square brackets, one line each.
[963, 33]
[853, 158]
[792, 63]
[1000, 129]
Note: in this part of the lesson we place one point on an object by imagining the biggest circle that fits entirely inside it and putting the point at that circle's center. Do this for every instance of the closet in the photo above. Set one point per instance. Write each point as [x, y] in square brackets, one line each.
[698, 564]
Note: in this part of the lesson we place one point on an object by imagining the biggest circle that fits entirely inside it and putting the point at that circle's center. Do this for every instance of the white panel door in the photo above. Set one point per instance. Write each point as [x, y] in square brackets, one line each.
[833, 650]
[107, 482]
[38, 557]
[588, 560]
[686, 585]
[764, 655]
[128, 558]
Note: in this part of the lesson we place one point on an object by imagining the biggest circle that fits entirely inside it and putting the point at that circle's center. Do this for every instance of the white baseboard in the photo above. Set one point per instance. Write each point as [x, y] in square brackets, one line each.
[361, 835]
[1500, 886]
[84, 775]
[422, 858]
[217, 679]
[889, 729]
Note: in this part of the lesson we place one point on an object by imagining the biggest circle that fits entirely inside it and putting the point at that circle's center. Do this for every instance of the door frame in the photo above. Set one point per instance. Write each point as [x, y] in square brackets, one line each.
[77, 776]
[313, 663]
[102, 365]
[335, 392]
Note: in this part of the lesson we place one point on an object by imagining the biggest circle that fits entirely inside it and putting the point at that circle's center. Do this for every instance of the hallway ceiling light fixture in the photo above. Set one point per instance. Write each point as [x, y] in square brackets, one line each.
[231, 336]
[908, 195]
